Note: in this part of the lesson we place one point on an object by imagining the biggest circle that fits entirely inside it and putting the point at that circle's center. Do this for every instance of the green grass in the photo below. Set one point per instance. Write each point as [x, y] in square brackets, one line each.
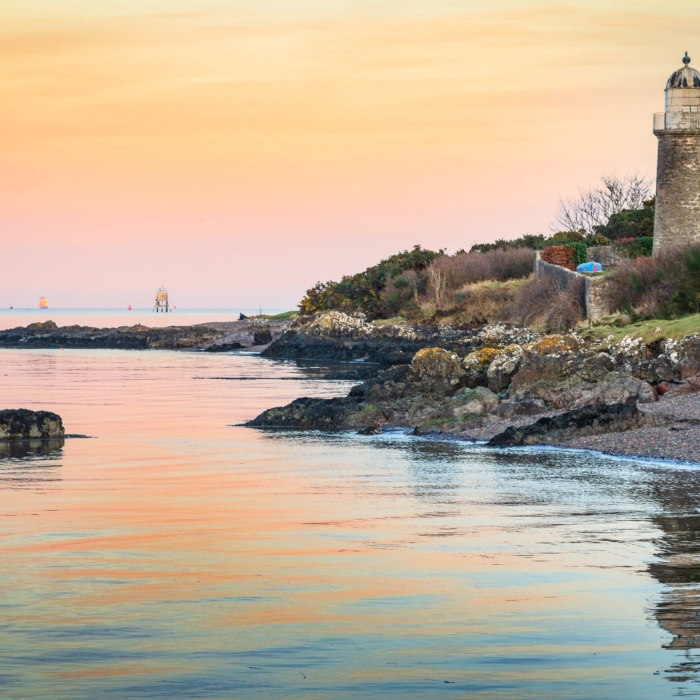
[394, 321]
[284, 316]
[648, 331]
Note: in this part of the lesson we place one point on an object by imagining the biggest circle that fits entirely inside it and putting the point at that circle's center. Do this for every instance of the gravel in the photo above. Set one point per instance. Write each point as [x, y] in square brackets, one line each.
[679, 440]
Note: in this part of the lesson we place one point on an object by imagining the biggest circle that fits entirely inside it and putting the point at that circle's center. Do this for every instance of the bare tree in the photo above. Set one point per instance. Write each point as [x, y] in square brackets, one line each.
[595, 205]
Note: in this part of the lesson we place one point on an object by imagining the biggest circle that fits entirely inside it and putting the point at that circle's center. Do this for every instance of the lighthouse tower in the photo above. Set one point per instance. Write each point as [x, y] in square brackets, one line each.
[677, 218]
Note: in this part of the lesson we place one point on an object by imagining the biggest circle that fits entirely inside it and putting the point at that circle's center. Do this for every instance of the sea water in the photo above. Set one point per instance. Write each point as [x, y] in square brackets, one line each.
[113, 318]
[176, 554]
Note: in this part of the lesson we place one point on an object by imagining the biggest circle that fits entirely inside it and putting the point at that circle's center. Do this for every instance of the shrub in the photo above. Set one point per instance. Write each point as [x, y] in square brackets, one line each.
[559, 255]
[634, 247]
[534, 242]
[367, 291]
[580, 253]
[449, 274]
[485, 302]
[666, 286]
[541, 301]
[630, 223]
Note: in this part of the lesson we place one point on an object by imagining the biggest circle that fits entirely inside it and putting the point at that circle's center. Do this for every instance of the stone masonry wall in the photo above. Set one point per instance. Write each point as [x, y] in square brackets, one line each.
[592, 289]
[596, 306]
[677, 218]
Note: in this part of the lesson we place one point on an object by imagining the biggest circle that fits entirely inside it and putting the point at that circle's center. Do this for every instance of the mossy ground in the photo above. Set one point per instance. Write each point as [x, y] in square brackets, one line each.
[648, 331]
[284, 316]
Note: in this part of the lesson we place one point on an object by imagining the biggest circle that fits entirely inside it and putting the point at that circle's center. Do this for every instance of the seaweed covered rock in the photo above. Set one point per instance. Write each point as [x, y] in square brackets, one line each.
[437, 371]
[592, 419]
[23, 424]
[311, 414]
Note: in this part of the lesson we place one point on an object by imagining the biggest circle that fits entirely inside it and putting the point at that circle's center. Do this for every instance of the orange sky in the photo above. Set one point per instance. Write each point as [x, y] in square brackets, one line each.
[237, 152]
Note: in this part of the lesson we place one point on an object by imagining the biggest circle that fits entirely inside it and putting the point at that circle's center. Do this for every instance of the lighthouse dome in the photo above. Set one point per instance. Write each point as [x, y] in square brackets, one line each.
[685, 77]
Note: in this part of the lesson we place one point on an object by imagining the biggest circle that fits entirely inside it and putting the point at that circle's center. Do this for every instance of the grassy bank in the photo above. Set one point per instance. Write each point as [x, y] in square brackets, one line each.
[648, 331]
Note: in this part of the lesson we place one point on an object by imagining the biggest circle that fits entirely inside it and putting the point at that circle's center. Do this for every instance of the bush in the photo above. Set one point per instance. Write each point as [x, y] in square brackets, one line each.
[580, 253]
[542, 301]
[533, 242]
[449, 274]
[559, 255]
[484, 302]
[666, 286]
[630, 223]
[634, 247]
[367, 291]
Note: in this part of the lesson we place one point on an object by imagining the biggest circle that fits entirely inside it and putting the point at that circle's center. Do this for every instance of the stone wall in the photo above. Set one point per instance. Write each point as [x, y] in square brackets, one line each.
[603, 254]
[677, 218]
[592, 289]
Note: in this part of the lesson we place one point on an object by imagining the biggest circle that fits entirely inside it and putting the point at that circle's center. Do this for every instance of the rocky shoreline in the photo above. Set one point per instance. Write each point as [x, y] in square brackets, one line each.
[510, 386]
[210, 337]
[495, 383]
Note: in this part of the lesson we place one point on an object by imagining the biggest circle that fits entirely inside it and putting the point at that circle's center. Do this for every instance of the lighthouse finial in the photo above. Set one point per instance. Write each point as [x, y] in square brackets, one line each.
[686, 58]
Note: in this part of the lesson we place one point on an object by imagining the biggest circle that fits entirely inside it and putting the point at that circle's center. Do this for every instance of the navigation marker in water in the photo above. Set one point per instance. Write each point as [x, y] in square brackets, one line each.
[162, 300]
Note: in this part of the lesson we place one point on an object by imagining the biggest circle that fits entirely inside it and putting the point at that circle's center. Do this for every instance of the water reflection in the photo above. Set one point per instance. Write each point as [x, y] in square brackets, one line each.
[678, 563]
[27, 463]
[183, 558]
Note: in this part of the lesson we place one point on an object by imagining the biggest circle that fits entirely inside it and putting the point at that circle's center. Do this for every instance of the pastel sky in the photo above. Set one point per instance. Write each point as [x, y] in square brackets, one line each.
[238, 151]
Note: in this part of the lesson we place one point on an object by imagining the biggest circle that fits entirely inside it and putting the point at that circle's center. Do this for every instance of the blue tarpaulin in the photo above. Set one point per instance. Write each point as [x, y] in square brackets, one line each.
[589, 267]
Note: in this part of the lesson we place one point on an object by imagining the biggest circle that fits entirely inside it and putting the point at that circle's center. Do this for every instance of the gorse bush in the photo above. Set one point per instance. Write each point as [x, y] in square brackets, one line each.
[666, 286]
[374, 291]
[402, 283]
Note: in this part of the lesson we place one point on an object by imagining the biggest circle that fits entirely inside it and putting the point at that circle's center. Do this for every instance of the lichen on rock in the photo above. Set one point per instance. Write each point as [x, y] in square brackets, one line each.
[23, 424]
[437, 371]
[503, 367]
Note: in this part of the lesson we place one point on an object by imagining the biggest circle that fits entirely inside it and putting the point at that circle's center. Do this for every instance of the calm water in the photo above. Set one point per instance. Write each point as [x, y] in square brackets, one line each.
[113, 318]
[175, 556]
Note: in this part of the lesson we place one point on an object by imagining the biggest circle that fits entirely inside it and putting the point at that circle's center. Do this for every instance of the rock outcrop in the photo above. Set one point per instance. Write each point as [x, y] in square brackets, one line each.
[593, 419]
[214, 337]
[339, 336]
[23, 424]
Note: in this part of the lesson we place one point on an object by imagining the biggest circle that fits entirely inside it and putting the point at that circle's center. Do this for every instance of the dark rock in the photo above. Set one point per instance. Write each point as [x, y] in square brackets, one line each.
[262, 336]
[309, 414]
[370, 430]
[23, 424]
[223, 347]
[593, 419]
[49, 335]
[338, 336]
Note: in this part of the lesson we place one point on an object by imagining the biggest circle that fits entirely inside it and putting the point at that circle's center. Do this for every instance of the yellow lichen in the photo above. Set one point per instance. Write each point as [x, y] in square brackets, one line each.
[485, 355]
[550, 344]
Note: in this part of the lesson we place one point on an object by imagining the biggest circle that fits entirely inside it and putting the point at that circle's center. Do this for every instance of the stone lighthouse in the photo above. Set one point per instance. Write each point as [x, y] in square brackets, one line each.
[677, 218]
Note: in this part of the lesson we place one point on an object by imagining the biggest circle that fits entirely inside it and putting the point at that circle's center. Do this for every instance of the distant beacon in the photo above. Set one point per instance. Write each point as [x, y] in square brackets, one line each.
[677, 218]
[43, 303]
[162, 300]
